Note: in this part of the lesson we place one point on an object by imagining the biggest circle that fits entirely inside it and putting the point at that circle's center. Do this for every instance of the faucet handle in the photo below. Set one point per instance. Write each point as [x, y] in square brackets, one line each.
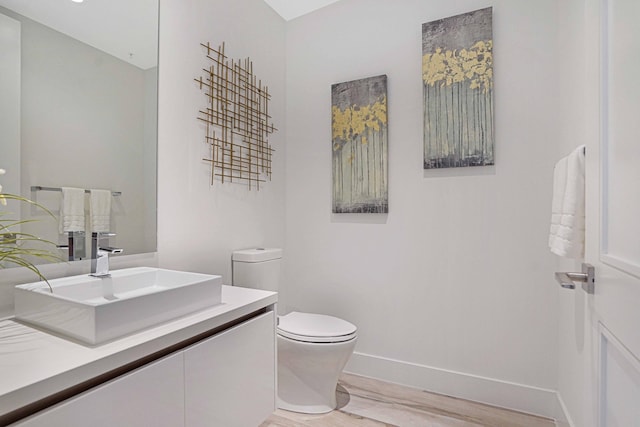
[111, 249]
[103, 234]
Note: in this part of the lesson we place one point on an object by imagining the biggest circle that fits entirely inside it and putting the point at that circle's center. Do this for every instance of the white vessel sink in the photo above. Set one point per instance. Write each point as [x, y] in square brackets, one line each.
[95, 310]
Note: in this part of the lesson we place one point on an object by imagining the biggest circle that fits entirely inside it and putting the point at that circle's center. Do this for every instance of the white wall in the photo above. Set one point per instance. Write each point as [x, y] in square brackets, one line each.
[578, 41]
[10, 103]
[453, 290]
[571, 303]
[198, 224]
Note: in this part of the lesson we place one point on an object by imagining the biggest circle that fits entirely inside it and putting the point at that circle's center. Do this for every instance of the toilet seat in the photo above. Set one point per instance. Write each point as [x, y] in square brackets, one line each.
[315, 328]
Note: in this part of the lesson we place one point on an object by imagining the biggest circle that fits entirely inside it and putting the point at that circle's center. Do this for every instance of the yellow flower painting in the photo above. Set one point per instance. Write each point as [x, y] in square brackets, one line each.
[359, 141]
[457, 80]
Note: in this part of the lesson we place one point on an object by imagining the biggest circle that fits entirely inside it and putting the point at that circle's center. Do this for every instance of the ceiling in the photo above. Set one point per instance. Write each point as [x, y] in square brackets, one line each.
[132, 35]
[126, 29]
[290, 9]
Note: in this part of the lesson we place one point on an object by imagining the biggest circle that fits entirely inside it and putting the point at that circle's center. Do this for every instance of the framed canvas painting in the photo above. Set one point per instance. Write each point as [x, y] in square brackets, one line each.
[457, 78]
[359, 140]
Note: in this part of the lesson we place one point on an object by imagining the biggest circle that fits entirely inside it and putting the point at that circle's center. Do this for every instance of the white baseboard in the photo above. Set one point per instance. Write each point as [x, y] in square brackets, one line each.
[519, 397]
[563, 419]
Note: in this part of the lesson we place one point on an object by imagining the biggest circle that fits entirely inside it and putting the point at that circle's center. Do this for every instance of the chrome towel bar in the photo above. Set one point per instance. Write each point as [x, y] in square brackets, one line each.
[41, 188]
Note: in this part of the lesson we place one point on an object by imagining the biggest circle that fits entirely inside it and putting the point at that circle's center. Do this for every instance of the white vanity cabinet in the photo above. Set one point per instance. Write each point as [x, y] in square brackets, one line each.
[230, 378]
[152, 395]
[227, 379]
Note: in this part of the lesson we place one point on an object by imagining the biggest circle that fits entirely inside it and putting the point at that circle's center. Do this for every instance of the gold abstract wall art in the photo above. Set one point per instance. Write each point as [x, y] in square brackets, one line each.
[457, 77]
[359, 139]
[237, 120]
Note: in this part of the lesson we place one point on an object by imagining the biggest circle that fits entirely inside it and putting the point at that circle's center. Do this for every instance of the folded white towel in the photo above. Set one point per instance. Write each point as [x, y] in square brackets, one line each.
[566, 234]
[100, 210]
[72, 210]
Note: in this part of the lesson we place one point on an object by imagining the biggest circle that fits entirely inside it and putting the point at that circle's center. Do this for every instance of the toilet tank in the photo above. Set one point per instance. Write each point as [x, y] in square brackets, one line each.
[257, 268]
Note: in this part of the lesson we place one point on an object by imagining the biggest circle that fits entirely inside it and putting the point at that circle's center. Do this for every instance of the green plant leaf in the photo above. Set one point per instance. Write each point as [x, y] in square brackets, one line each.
[11, 242]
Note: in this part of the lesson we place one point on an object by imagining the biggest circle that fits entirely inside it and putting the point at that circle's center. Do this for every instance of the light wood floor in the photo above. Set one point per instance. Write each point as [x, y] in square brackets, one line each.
[372, 403]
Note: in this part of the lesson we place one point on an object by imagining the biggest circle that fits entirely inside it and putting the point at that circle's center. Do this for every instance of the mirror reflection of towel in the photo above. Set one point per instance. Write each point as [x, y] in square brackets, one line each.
[100, 210]
[566, 235]
[72, 210]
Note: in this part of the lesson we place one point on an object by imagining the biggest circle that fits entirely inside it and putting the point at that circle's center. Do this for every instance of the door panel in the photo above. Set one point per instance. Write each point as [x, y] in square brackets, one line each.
[620, 384]
[613, 240]
[621, 142]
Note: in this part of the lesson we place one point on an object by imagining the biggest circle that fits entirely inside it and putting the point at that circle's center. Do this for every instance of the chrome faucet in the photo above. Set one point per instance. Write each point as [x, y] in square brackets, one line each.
[100, 254]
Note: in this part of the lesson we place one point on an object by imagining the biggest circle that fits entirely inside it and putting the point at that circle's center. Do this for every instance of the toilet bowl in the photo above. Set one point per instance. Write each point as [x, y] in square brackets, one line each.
[312, 351]
[312, 348]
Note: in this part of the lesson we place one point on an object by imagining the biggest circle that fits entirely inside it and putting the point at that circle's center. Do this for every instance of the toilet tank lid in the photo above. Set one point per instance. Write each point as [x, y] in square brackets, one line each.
[256, 255]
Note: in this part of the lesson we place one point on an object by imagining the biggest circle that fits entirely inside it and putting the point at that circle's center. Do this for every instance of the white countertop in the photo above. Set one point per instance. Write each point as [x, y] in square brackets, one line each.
[36, 364]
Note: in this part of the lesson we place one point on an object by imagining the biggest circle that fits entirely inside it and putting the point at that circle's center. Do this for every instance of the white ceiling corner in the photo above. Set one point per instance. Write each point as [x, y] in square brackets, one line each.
[126, 29]
[125, 34]
[290, 9]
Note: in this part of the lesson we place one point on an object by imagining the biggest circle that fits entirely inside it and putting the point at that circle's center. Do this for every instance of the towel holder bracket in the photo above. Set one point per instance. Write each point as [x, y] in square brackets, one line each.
[587, 277]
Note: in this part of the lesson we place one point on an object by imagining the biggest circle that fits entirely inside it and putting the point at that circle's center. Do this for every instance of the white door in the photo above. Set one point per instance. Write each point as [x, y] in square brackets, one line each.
[613, 216]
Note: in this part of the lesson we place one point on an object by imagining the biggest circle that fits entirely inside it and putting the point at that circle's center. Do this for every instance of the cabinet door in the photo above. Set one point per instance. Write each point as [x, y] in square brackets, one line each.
[230, 378]
[149, 396]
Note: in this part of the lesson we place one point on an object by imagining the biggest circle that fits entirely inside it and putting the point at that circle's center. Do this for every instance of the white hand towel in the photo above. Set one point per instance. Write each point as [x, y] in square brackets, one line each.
[100, 210]
[566, 234]
[72, 210]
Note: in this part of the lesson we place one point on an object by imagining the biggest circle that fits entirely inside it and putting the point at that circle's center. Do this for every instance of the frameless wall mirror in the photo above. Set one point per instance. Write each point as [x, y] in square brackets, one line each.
[84, 81]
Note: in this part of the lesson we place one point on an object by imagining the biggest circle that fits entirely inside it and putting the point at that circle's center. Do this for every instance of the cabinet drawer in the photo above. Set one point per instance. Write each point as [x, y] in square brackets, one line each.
[230, 378]
[149, 396]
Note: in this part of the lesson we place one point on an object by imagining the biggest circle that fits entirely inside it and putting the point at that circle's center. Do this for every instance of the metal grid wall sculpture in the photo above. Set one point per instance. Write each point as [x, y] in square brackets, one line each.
[237, 120]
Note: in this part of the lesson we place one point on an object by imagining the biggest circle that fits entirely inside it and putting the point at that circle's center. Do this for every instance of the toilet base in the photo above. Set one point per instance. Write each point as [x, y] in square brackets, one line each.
[305, 409]
[308, 374]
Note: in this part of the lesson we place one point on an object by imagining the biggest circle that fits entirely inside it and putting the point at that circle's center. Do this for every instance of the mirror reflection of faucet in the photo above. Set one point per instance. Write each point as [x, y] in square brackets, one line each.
[100, 254]
[76, 246]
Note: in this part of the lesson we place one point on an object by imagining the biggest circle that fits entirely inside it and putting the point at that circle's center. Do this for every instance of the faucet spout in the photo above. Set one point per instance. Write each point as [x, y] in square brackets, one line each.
[100, 255]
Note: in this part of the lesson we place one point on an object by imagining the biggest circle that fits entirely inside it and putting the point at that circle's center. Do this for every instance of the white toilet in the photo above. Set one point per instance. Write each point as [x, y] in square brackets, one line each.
[312, 348]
